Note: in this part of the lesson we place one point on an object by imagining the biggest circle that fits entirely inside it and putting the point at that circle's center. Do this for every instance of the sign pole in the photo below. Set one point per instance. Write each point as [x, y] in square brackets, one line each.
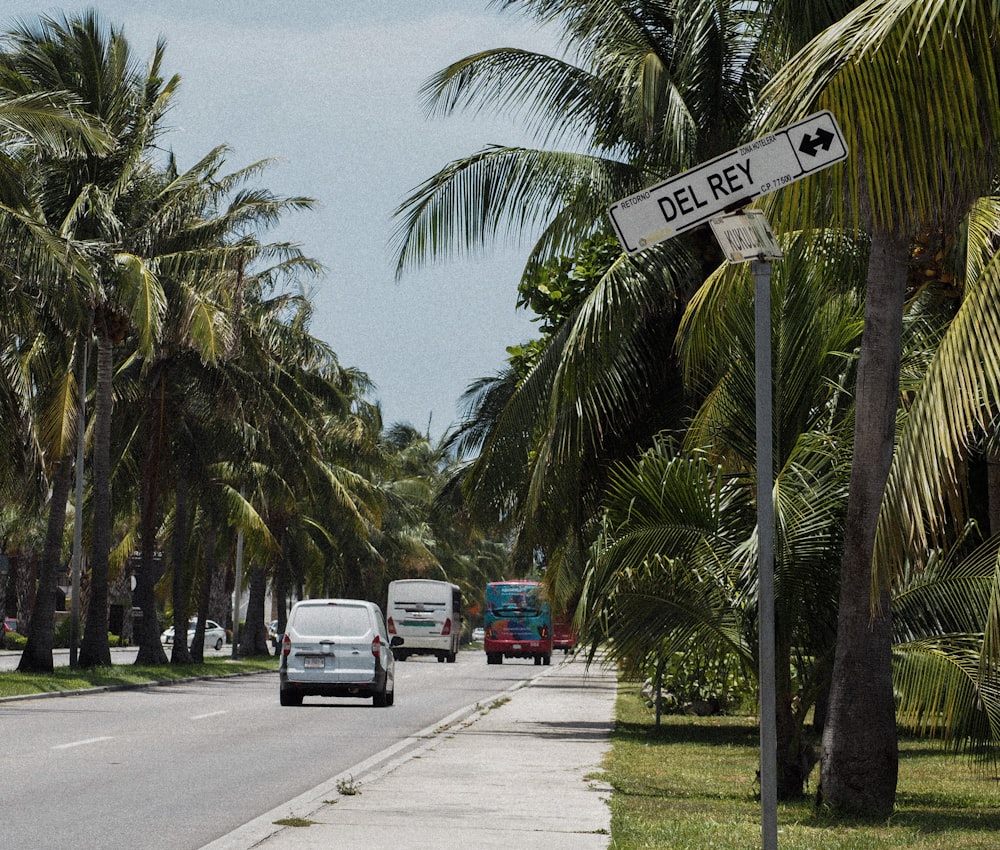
[765, 556]
[714, 193]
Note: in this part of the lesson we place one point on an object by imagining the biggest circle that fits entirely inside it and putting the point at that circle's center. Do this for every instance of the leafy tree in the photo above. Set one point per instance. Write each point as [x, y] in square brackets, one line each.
[945, 159]
[656, 87]
[43, 273]
[889, 199]
[196, 228]
[91, 193]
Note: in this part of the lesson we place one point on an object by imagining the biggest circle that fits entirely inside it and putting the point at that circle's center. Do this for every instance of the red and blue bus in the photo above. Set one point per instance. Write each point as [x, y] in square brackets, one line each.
[518, 622]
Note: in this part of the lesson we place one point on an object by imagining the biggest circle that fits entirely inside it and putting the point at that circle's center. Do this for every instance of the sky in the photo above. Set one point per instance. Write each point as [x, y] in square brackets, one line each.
[330, 90]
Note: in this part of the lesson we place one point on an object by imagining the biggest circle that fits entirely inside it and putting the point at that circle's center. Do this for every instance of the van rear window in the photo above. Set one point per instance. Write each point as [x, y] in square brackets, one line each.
[344, 620]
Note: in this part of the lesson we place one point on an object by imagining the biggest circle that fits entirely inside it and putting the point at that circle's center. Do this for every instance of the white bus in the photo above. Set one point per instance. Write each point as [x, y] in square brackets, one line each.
[427, 615]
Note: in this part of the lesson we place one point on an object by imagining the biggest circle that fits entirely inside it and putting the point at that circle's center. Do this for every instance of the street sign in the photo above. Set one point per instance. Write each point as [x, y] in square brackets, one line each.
[745, 236]
[728, 181]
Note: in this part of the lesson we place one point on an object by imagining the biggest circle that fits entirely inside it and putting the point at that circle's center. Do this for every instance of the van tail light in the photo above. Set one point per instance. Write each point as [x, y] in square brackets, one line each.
[446, 629]
[391, 626]
[286, 645]
[377, 646]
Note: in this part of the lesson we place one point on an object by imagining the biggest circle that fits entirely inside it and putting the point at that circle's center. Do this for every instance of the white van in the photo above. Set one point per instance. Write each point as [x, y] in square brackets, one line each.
[427, 614]
[336, 648]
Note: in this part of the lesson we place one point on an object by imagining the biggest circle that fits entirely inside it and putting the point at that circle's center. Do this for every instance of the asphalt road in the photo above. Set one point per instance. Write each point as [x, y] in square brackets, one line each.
[176, 767]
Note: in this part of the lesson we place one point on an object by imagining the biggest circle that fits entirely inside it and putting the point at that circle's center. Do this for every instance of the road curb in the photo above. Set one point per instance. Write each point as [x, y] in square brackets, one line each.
[131, 686]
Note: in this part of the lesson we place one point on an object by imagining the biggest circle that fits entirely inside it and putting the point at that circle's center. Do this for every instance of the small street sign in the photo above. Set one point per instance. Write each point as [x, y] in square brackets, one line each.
[728, 181]
[744, 236]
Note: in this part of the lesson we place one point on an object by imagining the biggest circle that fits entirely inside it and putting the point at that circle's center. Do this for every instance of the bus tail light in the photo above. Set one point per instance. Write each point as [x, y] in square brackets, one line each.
[391, 626]
[446, 628]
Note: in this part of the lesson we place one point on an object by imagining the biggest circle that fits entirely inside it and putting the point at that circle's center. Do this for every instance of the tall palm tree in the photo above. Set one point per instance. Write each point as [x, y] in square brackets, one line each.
[659, 86]
[633, 110]
[192, 232]
[945, 158]
[301, 446]
[896, 199]
[41, 272]
[90, 194]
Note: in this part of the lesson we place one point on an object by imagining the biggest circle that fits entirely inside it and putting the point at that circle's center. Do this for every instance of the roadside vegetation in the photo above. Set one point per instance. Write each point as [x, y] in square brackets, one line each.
[63, 679]
[691, 782]
[163, 402]
[620, 449]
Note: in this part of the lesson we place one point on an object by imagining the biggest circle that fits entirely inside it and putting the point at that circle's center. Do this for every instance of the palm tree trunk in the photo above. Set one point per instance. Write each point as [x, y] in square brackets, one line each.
[37, 655]
[182, 653]
[207, 577]
[150, 648]
[253, 638]
[94, 648]
[860, 751]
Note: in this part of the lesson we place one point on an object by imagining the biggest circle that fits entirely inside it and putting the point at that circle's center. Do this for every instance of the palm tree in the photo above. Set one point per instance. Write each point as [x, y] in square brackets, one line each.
[300, 448]
[816, 319]
[192, 232]
[894, 208]
[944, 159]
[944, 650]
[91, 193]
[659, 87]
[42, 271]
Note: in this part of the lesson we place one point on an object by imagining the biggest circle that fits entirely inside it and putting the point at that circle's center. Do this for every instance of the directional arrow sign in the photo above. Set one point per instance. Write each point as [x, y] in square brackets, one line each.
[730, 180]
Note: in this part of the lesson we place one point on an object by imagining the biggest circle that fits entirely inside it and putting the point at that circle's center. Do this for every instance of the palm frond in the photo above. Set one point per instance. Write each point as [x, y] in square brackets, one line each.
[959, 395]
[865, 69]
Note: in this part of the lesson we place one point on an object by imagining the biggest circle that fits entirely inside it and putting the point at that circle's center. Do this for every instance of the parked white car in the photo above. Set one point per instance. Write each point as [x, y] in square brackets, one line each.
[215, 635]
[337, 648]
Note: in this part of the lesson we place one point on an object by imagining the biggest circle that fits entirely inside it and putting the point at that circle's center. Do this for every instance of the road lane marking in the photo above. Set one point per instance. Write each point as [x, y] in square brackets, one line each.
[81, 743]
[210, 714]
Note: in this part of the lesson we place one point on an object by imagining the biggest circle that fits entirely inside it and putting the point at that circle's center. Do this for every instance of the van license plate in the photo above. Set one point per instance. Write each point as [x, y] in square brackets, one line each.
[309, 663]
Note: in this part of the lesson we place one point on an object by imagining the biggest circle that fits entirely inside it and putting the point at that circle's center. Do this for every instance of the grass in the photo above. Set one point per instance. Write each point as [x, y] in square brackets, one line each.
[691, 784]
[348, 787]
[122, 675]
[294, 822]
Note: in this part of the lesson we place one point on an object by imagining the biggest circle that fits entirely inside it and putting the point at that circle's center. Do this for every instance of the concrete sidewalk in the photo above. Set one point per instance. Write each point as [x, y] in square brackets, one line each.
[523, 772]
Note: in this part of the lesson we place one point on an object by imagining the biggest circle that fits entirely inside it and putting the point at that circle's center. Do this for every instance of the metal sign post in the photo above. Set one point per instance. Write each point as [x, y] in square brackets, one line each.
[698, 196]
[765, 557]
[746, 235]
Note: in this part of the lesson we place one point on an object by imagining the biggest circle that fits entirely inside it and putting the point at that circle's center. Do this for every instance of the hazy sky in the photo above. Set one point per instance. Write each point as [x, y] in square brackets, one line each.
[330, 88]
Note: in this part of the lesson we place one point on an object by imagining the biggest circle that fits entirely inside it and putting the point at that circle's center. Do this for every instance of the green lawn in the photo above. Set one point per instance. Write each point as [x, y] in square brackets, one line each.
[65, 679]
[690, 784]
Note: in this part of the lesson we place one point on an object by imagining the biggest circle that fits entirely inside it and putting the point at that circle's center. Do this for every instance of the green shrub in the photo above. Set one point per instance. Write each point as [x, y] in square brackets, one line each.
[708, 685]
[15, 641]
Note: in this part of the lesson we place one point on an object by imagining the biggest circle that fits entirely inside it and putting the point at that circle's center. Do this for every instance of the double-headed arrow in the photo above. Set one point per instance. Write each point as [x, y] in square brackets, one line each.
[811, 145]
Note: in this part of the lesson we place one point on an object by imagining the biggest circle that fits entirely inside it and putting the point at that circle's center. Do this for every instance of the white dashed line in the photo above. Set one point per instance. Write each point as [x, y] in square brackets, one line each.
[82, 743]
